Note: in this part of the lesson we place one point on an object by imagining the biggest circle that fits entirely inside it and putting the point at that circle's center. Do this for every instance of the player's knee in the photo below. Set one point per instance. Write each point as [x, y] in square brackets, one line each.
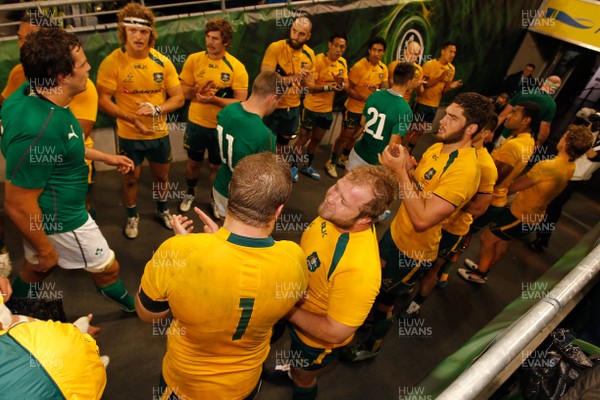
[130, 180]
[303, 378]
[107, 269]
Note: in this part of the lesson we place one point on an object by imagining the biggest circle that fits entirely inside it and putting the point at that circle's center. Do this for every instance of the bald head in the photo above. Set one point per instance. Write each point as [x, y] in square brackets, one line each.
[551, 84]
[412, 52]
[303, 22]
[300, 32]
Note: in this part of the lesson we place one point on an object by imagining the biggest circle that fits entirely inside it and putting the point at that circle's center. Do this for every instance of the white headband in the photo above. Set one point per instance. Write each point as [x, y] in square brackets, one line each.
[136, 22]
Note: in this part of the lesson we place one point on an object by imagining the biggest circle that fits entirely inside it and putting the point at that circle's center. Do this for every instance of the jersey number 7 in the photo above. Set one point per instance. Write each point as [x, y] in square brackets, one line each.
[247, 305]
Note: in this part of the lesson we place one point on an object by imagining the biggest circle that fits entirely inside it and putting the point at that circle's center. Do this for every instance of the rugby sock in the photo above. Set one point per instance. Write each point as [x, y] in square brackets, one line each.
[419, 299]
[132, 212]
[333, 157]
[302, 393]
[23, 289]
[346, 152]
[445, 270]
[311, 157]
[118, 293]
[161, 206]
[191, 184]
[381, 325]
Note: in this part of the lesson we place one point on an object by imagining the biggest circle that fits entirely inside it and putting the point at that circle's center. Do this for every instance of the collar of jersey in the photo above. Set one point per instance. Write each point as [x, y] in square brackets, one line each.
[244, 240]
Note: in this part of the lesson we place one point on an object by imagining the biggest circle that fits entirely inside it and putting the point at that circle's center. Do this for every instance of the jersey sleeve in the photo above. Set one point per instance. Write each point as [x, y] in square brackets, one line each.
[548, 115]
[458, 186]
[16, 78]
[452, 73]
[515, 100]
[269, 144]
[352, 310]
[489, 176]
[385, 73]
[187, 71]
[270, 57]
[508, 154]
[240, 79]
[538, 172]
[156, 280]
[85, 105]
[107, 74]
[27, 167]
[392, 66]
[172, 77]
[355, 73]
[428, 69]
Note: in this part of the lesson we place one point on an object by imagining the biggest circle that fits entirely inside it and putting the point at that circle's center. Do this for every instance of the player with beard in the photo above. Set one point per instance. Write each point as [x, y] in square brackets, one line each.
[444, 181]
[295, 62]
[344, 272]
[438, 75]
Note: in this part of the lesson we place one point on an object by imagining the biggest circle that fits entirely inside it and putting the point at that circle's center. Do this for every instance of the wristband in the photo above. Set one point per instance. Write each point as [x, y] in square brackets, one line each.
[155, 109]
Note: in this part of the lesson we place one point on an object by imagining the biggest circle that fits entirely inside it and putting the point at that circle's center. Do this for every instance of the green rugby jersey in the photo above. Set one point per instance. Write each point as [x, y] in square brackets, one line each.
[240, 134]
[43, 147]
[386, 113]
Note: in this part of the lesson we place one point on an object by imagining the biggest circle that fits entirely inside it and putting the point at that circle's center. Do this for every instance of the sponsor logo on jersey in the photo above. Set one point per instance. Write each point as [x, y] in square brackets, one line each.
[429, 174]
[313, 262]
[72, 134]
[140, 66]
[142, 91]
[158, 77]
[323, 229]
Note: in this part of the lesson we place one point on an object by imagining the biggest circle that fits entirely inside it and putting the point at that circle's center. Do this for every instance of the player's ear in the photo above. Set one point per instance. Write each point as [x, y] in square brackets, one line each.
[472, 130]
[278, 211]
[366, 221]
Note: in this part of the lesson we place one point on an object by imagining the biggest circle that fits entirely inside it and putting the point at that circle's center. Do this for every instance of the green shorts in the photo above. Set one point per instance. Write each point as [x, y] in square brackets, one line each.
[310, 119]
[485, 219]
[425, 113]
[448, 244]
[154, 150]
[400, 272]
[351, 120]
[508, 227]
[284, 123]
[309, 358]
[197, 139]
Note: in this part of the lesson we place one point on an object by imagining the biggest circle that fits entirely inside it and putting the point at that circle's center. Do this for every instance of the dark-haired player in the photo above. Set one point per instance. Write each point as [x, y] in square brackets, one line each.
[213, 79]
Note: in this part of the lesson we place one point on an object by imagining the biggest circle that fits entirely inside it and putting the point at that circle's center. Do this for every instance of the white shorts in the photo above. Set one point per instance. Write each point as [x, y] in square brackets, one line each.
[83, 248]
[354, 161]
[221, 202]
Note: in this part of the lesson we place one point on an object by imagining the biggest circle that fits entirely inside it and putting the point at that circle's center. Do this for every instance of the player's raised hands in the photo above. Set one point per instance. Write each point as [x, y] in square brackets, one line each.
[210, 226]
[181, 224]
